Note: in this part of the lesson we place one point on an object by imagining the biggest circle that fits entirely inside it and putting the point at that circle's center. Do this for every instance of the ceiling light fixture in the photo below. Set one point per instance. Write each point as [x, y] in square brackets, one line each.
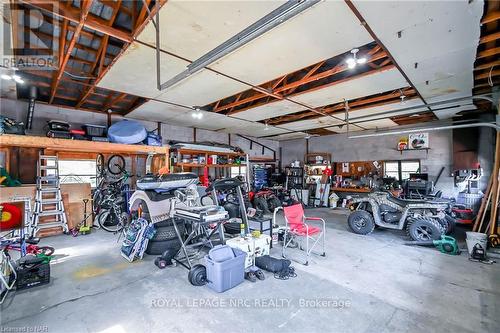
[354, 60]
[197, 114]
[402, 97]
[14, 77]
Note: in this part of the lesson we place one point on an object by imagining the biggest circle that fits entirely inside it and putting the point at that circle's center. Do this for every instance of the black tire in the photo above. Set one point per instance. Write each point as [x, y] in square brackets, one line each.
[109, 221]
[198, 275]
[261, 204]
[165, 223]
[448, 223]
[157, 248]
[274, 203]
[424, 229]
[361, 222]
[116, 164]
[167, 233]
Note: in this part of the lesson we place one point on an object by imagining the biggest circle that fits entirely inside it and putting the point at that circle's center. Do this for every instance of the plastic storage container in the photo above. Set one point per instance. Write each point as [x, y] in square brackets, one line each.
[94, 130]
[473, 238]
[225, 267]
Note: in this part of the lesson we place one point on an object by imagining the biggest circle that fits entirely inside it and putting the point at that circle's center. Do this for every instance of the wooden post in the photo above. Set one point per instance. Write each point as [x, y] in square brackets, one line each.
[484, 206]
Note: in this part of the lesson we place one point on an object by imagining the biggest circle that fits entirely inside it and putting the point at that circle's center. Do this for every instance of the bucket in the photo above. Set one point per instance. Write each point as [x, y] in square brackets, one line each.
[474, 238]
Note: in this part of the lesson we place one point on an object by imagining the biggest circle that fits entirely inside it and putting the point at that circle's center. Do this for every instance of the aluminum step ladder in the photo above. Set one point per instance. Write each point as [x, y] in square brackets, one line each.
[48, 200]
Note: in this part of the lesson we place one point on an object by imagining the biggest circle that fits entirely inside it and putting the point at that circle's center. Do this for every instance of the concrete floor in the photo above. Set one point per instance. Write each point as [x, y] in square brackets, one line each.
[374, 284]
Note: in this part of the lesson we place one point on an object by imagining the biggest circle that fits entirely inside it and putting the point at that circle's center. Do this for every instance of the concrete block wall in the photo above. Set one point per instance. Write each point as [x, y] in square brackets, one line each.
[344, 149]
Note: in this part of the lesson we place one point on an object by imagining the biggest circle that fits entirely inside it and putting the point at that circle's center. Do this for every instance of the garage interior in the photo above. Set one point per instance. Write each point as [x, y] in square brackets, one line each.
[281, 166]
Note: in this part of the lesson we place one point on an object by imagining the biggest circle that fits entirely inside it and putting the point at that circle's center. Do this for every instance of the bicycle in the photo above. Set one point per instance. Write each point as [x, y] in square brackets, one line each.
[8, 275]
[114, 213]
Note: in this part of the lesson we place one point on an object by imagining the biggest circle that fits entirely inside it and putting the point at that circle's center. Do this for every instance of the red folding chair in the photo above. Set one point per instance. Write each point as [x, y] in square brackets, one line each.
[297, 228]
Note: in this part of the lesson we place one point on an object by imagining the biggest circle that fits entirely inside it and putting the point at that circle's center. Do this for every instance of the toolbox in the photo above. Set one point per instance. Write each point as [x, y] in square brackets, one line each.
[32, 272]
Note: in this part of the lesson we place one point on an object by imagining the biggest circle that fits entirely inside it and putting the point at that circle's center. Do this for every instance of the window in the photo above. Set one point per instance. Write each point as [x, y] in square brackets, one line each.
[238, 171]
[77, 171]
[391, 169]
[408, 167]
[401, 169]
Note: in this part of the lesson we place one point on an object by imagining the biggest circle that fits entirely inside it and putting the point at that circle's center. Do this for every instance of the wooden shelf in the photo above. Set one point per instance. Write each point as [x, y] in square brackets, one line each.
[197, 165]
[208, 152]
[27, 141]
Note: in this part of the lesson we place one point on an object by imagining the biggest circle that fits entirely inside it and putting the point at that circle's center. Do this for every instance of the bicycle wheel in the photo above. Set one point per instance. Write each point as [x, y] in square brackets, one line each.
[109, 221]
[116, 164]
[96, 201]
[99, 164]
[46, 250]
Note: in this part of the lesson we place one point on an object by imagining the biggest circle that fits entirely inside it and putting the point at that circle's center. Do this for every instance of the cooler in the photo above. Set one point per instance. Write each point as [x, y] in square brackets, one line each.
[259, 246]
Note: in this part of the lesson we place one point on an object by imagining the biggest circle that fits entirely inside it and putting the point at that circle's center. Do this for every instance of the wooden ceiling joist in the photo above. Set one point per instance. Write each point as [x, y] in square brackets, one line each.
[354, 105]
[86, 4]
[288, 84]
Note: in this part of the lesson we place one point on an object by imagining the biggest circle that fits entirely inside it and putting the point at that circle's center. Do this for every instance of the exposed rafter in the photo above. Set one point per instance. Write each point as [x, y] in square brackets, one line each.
[307, 79]
[354, 105]
[73, 14]
[86, 4]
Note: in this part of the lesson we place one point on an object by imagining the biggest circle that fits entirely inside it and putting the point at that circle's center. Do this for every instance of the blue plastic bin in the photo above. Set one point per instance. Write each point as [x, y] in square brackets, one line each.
[225, 267]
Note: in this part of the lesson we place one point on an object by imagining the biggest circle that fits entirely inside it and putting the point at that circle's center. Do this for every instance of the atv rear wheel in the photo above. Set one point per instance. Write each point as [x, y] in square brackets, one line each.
[261, 204]
[361, 222]
[424, 229]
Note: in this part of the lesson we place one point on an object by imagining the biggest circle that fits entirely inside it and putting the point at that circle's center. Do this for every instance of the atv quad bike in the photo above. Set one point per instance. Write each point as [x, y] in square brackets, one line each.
[423, 220]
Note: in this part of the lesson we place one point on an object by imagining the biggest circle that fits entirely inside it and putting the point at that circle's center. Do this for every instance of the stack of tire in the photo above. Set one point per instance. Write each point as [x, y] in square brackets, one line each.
[165, 241]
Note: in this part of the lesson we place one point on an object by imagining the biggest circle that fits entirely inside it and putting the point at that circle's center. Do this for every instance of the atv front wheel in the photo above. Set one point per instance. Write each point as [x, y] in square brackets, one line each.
[361, 222]
[424, 229]
[448, 223]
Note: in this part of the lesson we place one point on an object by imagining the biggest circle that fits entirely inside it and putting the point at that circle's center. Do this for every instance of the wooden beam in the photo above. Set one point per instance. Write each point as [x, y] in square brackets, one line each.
[489, 38]
[487, 65]
[336, 70]
[487, 74]
[114, 101]
[143, 12]
[493, 16]
[101, 53]
[488, 53]
[346, 79]
[355, 105]
[73, 14]
[86, 4]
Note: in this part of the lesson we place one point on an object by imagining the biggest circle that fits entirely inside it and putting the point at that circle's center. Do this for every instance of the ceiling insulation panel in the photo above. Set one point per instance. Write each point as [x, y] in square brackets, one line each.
[200, 89]
[269, 110]
[158, 111]
[289, 136]
[364, 86]
[302, 125]
[433, 41]
[192, 28]
[135, 71]
[325, 30]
